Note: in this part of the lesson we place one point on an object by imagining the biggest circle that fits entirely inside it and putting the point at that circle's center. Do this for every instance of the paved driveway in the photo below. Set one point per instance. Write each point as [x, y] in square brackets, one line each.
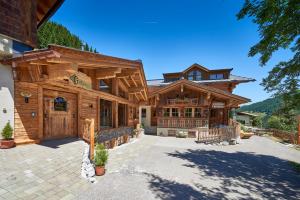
[153, 168]
[47, 171]
[172, 168]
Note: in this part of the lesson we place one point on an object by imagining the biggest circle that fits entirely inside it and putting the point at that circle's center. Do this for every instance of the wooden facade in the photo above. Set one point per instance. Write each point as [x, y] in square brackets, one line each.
[196, 97]
[59, 89]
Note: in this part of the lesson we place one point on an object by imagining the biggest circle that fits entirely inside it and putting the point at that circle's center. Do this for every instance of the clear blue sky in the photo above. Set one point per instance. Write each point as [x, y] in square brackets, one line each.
[170, 35]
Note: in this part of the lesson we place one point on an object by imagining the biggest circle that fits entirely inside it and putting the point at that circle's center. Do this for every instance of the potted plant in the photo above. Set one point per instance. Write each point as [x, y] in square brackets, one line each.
[100, 159]
[7, 141]
[136, 133]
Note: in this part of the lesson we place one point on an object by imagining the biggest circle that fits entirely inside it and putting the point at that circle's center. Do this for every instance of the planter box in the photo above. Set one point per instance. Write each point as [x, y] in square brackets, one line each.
[113, 143]
[7, 144]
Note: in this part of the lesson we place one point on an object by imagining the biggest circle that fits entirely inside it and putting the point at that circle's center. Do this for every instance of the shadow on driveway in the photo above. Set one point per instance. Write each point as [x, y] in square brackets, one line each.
[55, 143]
[246, 175]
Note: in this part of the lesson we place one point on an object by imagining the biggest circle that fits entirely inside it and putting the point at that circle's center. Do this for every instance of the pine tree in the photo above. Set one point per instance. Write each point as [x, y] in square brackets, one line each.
[7, 131]
[54, 33]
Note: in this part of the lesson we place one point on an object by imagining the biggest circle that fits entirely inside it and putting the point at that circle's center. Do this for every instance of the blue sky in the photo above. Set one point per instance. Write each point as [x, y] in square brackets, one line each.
[171, 35]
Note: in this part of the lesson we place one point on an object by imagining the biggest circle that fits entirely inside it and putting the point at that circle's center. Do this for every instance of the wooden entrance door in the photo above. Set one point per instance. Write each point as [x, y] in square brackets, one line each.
[216, 117]
[60, 114]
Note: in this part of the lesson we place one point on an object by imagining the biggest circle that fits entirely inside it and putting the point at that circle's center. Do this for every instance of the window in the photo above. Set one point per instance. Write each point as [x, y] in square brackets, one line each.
[216, 76]
[171, 79]
[144, 112]
[188, 112]
[197, 112]
[166, 112]
[175, 112]
[60, 104]
[194, 75]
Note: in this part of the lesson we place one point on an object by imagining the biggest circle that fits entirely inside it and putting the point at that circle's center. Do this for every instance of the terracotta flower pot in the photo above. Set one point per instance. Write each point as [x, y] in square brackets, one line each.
[100, 170]
[7, 143]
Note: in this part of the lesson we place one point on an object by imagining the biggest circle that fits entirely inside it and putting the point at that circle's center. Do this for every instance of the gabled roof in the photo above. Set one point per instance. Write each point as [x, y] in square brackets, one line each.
[199, 67]
[204, 88]
[56, 54]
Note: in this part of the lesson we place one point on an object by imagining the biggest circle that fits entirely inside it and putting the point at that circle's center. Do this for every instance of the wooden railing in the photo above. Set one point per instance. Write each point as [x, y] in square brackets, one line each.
[290, 137]
[180, 122]
[218, 134]
[188, 101]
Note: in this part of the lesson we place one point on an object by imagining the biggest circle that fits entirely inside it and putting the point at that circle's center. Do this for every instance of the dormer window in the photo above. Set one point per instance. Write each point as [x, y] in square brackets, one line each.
[194, 75]
[216, 76]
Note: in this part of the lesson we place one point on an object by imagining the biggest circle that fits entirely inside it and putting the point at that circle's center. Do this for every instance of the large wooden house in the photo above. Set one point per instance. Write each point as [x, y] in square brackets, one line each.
[195, 97]
[59, 89]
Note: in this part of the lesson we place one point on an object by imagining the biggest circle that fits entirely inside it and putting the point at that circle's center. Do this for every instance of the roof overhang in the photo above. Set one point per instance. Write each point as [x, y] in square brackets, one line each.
[203, 88]
[129, 71]
[45, 9]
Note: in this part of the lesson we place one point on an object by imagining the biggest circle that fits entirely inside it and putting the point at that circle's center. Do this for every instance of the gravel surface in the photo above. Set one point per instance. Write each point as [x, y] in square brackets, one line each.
[172, 168]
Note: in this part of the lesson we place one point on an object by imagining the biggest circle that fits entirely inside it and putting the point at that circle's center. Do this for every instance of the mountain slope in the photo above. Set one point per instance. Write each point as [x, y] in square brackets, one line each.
[267, 106]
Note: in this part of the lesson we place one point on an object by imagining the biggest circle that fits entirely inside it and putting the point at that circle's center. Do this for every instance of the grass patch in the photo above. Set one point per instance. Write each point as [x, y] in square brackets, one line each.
[296, 166]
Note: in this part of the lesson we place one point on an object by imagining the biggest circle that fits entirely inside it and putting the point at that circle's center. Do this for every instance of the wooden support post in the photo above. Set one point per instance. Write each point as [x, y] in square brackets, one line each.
[92, 138]
[40, 113]
[115, 113]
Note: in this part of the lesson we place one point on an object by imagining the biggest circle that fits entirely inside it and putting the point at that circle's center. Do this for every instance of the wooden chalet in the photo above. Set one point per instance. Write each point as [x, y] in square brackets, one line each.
[58, 89]
[195, 97]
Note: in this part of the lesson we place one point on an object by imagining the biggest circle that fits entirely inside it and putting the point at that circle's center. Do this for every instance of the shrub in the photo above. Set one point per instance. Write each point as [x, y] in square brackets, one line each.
[275, 122]
[7, 131]
[257, 121]
[243, 128]
[181, 134]
[101, 155]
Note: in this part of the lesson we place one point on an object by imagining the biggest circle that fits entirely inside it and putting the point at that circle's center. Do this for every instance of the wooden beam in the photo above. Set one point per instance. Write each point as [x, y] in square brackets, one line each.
[107, 73]
[127, 83]
[90, 63]
[134, 82]
[135, 90]
[127, 73]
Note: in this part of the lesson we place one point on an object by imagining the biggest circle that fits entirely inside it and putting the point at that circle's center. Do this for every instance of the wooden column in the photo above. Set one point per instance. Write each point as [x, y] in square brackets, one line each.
[115, 114]
[79, 134]
[92, 140]
[98, 113]
[40, 112]
[115, 86]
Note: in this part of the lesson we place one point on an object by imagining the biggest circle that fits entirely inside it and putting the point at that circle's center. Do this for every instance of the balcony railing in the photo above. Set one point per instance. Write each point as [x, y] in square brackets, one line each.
[185, 101]
[176, 122]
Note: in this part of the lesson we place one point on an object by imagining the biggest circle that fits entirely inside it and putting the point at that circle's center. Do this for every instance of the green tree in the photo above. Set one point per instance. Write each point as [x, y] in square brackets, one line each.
[279, 28]
[54, 33]
[258, 121]
[275, 122]
[7, 131]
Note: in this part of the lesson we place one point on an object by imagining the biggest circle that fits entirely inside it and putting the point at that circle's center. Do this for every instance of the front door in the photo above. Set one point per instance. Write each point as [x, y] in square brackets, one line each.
[60, 114]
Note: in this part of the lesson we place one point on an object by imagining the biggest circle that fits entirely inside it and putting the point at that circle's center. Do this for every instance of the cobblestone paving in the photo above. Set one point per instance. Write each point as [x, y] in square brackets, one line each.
[47, 171]
[153, 168]
[174, 168]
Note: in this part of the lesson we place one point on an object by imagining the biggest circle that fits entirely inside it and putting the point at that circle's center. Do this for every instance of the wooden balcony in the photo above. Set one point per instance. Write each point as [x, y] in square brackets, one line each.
[185, 101]
[180, 122]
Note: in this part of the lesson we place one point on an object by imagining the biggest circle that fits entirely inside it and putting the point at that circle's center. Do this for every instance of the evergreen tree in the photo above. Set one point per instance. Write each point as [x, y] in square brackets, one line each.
[54, 33]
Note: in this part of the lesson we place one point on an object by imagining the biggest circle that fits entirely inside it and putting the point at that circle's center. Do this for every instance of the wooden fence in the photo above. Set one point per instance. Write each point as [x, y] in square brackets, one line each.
[216, 135]
[290, 137]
